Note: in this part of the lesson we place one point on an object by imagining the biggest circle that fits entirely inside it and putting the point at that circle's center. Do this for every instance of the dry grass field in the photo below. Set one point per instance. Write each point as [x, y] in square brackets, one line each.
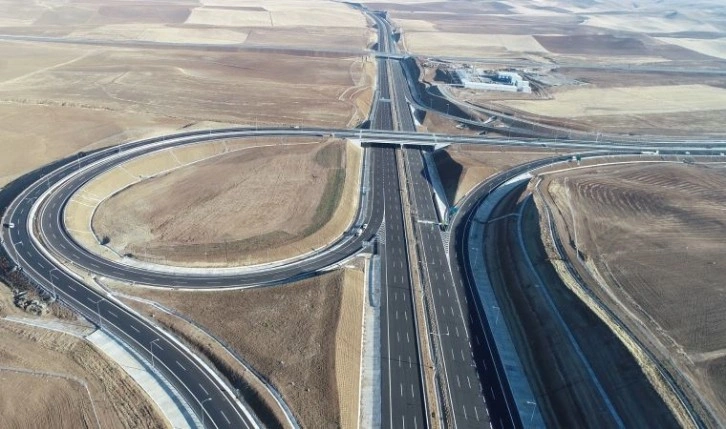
[82, 89]
[641, 100]
[592, 33]
[304, 337]
[561, 29]
[461, 167]
[470, 45]
[655, 237]
[82, 381]
[46, 402]
[236, 208]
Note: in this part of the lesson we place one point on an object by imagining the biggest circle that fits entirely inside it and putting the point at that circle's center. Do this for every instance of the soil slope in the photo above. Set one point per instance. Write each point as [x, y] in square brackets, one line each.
[655, 236]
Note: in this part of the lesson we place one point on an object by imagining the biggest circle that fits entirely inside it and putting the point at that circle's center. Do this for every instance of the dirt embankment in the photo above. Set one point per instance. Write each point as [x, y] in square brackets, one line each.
[258, 204]
[461, 168]
[303, 337]
[651, 237]
[50, 379]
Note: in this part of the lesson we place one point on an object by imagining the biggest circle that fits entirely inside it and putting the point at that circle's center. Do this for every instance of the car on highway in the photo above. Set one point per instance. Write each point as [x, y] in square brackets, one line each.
[9, 225]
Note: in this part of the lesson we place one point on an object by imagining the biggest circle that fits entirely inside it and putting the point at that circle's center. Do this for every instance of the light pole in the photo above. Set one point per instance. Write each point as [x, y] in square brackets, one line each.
[201, 405]
[98, 312]
[534, 407]
[50, 274]
[151, 350]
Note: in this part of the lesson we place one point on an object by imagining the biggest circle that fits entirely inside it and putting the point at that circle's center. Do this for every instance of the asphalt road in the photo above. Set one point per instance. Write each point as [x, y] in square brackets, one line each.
[471, 391]
[466, 404]
[403, 402]
[206, 394]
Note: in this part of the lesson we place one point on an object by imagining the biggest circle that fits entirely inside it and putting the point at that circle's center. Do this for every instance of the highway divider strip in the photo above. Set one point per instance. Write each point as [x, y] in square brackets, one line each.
[424, 350]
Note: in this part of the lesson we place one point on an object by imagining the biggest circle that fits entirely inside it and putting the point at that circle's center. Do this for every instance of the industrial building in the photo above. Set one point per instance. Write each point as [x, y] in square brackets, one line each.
[501, 81]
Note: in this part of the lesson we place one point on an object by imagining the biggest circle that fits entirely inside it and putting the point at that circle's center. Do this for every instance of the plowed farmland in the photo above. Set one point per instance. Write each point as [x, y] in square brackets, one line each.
[655, 236]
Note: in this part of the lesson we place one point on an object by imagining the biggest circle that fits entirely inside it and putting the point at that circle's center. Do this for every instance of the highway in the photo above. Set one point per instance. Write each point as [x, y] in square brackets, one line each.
[403, 401]
[117, 319]
[472, 394]
[476, 394]
[206, 393]
[460, 377]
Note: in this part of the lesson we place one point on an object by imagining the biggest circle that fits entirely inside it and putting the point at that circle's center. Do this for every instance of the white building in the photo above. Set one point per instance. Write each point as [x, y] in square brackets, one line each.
[503, 81]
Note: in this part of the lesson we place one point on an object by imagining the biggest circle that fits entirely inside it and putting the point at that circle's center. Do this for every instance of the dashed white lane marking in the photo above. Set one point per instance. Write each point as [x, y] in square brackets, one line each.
[225, 417]
[180, 365]
[134, 328]
[205, 390]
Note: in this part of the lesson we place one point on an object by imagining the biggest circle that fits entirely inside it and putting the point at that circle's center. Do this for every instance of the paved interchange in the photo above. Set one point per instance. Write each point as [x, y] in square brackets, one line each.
[475, 393]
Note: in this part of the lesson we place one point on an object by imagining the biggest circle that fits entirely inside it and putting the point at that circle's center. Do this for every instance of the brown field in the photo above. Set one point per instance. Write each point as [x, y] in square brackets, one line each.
[237, 208]
[46, 401]
[470, 45]
[609, 45]
[565, 30]
[35, 399]
[292, 334]
[654, 236]
[59, 98]
[461, 167]
[565, 34]
[180, 21]
[643, 100]
[598, 100]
